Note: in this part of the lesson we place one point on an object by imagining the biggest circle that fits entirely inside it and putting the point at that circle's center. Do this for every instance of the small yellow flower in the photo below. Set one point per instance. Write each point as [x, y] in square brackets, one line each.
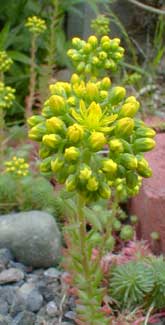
[55, 124]
[51, 140]
[85, 173]
[36, 25]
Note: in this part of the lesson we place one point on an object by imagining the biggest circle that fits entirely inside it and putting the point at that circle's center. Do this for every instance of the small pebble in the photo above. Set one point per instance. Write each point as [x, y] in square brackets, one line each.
[51, 309]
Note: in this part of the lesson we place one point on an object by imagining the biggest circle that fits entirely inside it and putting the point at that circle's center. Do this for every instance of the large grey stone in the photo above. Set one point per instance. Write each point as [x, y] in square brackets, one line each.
[33, 237]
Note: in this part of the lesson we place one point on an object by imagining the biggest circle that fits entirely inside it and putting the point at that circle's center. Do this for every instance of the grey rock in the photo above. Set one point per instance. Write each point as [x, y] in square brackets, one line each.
[34, 301]
[19, 266]
[5, 256]
[33, 237]
[8, 293]
[5, 320]
[2, 266]
[11, 275]
[52, 273]
[52, 309]
[24, 318]
[3, 307]
[70, 315]
[18, 305]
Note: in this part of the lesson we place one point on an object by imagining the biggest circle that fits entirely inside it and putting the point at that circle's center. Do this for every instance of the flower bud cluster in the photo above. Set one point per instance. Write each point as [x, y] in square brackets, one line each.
[35, 25]
[100, 25]
[17, 166]
[94, 55]
[5, 62]
[6, 96]
[77, 122]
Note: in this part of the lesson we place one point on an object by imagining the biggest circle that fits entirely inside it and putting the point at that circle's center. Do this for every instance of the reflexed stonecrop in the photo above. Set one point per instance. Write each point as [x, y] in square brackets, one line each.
[6, 96]
[79, 121]
[5, 61]
[36, 25]
[94, 55]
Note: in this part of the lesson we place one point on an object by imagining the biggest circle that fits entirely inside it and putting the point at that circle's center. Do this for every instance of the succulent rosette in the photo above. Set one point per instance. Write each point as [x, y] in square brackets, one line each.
[82, 120]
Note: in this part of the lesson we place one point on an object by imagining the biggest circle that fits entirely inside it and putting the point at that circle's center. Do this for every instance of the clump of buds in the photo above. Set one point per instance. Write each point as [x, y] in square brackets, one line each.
[17, 166]
[94, 55]
[6, 96]
[5, 62]
[35, 25]
[100, 25]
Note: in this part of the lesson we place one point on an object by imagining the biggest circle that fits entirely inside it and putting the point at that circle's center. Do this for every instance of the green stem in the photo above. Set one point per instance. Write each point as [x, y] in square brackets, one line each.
[52, 47]
[148, 8]
[1, 76]
[83, 248]
[32, 83]
[2, 135]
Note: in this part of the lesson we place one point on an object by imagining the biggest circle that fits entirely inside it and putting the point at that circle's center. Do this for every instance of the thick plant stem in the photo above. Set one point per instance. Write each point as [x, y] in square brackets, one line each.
[83, 248]
[32, 83]
[2, 136]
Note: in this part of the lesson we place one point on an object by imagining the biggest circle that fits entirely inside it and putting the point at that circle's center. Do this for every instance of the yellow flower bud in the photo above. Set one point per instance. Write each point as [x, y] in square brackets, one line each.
[85, 173]
[57, 104]
[97, 140]
[51, 140]
[105, 39]
[117, 94]
[116, 145]
[103, 94]
[75, 78]
[92, 184]
[92, 91]
[93, 41]
[109, 166]
[143, 167]
[106, 83]
[71, 153]
[45, 165]
[124, 127]
[76, 42]
[129, 109]
[55, 124]
[57, 164]
[75, 133]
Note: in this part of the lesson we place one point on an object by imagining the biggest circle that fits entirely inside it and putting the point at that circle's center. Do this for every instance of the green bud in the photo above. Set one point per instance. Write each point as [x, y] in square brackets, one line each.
[116, 95]
[57, 164]
[116, 225]
[132, 179]
[110, 243]
[70, 183]
[55, 124]
[35, 119]
[51, 140]
[143, 167]
[45, 165]
[116, 145]
[127, 233]
[92, 184]
[104, 191]
[37, 132]
[128, 161]
[129, 109]
[143, 144]
[145, 132]
[93, 41]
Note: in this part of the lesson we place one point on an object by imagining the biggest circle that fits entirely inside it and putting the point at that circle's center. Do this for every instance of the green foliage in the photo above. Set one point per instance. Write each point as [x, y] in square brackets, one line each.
[130, 282]
[140, 283]
[28, 193]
